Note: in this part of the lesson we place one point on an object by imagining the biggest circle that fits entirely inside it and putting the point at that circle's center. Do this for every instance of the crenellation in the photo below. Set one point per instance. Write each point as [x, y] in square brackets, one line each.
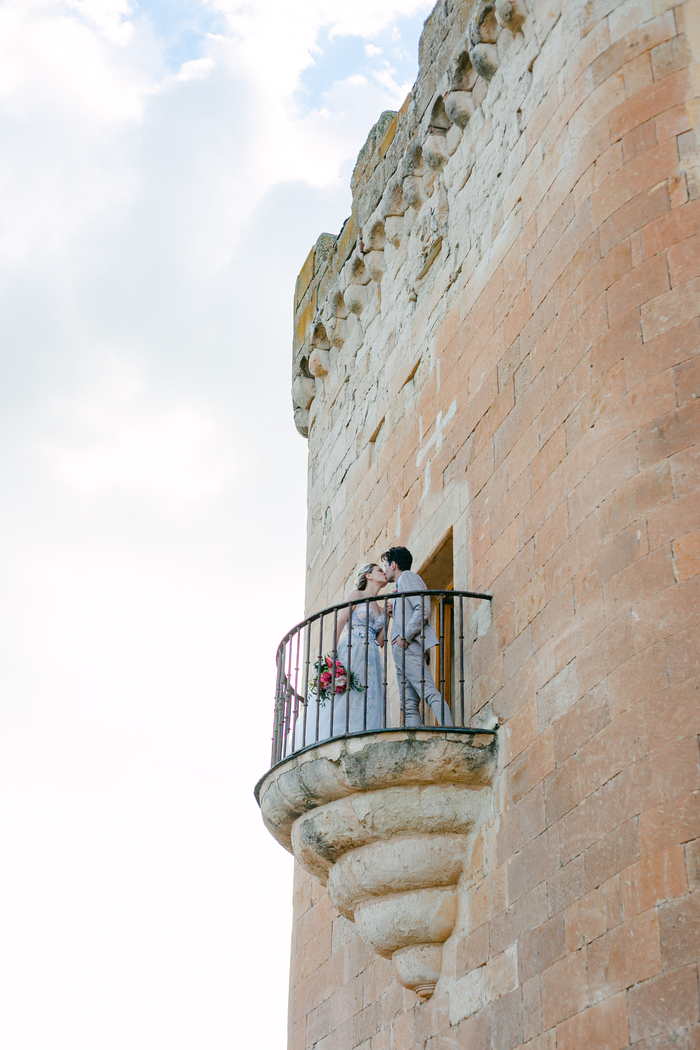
[405, 190]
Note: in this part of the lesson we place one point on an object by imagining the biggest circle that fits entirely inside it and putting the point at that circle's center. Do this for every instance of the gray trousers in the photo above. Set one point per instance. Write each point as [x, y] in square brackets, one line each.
[415, 668]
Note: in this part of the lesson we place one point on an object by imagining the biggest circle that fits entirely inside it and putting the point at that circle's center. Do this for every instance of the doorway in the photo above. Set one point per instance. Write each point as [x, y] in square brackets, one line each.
[438, 574]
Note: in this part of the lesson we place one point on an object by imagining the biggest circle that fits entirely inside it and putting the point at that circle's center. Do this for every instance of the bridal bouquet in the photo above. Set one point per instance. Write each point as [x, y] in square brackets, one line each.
[322, 684]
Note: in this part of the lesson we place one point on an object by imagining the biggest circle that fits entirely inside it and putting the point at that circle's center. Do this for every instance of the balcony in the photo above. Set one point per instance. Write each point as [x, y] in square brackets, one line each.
[378, 785]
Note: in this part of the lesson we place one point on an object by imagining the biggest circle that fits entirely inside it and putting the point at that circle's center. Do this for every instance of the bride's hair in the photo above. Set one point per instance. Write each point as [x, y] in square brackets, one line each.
[361, 578]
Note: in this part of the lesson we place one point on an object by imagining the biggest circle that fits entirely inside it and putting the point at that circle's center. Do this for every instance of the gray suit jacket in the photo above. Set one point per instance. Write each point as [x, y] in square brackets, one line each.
[411, 581]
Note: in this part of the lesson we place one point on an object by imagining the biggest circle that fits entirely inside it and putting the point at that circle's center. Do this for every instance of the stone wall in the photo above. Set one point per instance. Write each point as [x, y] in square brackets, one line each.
[502, 342]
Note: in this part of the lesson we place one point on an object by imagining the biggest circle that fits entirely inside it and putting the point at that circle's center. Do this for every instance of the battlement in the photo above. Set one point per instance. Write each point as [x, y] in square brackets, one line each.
[476, 61]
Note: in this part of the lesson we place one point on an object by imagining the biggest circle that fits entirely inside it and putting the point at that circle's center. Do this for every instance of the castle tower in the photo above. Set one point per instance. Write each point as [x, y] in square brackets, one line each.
[496, 366]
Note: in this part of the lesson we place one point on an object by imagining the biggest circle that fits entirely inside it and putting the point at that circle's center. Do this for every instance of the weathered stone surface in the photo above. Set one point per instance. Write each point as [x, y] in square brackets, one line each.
[384, 819]
[518, 377]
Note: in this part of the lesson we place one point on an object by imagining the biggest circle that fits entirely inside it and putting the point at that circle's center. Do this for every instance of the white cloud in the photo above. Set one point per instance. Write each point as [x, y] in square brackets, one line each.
[124, 438]
[196, 69]
[71, 56]
[154, 211]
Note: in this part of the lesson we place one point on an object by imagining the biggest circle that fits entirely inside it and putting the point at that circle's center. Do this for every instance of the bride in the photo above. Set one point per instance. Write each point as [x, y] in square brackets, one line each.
[360, 634]
[361, 629]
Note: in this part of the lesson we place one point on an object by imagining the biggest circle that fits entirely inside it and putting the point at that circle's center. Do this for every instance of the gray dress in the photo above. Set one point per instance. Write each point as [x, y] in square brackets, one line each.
[336, 716]
[349, 707]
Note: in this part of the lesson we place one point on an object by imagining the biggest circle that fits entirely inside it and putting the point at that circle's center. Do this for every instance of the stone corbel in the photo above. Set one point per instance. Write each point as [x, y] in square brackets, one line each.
[434, 149]
[301, 421]
[320, 357]
[511, 14]
[391, 209]
[355, 298]
[376, 266]
[375, 244]
[435, 152]
[387, 822]
[483, 34]
[459, 107]
[414, 168]
[355, 295]
[375, 240]
[335, 315]
[303, 391]
[458, 102]
[303, 394]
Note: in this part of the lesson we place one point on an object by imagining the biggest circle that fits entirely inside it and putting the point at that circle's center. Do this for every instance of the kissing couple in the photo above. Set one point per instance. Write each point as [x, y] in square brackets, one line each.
[361, 632]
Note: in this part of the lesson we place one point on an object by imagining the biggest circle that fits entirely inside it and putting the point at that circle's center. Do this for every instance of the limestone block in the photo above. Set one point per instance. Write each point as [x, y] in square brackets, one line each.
[418, 967]
[511, 14]
[337, 305]
[355, 336]
[413, 161]
[461, 75]
[394, 229]
[485, 60]
[417, 917]
[386, 820]
[376, 236]
[303, 391]
[355, 298]
[439, 121]
[376, 265]
[319, 363]
[413, 192]
[393, 759]
[459, 107]
[429, 179]
[415, 862]
[301, 421]
[335, 313]
[453, 139]
[392, 202]
[336, 330]
[483, 34]
[357, 272]
[483, 28]
[435, 150]
[322, 836]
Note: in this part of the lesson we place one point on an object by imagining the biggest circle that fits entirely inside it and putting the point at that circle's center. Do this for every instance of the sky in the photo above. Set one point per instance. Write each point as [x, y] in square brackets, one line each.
[166, 167]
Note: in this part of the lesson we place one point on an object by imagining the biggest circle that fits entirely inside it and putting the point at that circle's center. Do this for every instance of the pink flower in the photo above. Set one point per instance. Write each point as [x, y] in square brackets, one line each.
[326, 678]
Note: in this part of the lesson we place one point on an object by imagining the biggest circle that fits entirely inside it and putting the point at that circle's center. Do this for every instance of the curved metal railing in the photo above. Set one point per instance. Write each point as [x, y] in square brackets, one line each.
[334, 677]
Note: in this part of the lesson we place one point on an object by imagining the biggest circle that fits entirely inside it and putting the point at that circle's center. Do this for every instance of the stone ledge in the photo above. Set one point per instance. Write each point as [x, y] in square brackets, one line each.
[369, 762]
[387, 821]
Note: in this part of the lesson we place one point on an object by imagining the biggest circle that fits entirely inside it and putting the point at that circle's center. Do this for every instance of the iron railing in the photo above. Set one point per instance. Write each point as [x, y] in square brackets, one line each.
[334, 673]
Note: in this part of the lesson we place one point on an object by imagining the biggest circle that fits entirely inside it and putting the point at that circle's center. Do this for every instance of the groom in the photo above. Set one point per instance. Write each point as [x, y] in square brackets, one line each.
[411, 627]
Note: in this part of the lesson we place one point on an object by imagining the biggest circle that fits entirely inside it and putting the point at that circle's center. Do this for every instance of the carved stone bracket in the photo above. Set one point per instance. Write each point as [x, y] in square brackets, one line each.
[386, 821]
[412, 162]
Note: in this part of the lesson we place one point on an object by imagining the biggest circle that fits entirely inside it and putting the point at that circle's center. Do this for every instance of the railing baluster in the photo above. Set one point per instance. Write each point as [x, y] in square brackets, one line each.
[364, 707]
[305, 680]
[461, 658]
[335, 657]
[442, 657]
[387, 643]
[403, 659]
[288, 696]
[293, 730]
[297, 704]
[279, 701]
[422, 663]
[318, 672]
[349, 672]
